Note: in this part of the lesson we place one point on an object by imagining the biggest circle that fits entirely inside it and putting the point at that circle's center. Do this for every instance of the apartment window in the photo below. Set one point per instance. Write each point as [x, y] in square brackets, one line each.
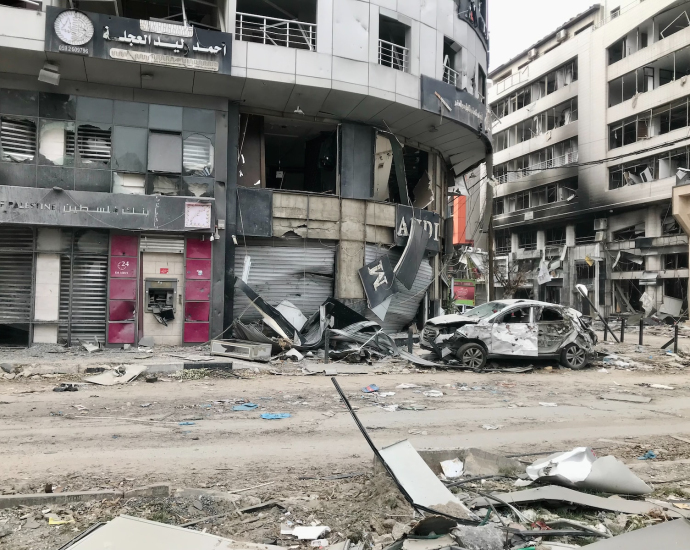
[615, 13]
[481, 84]
[676, 261]
[584, 271]
[555, 236]
[661, 166]
[502, 241]
[452, 61]
[584, 232]
[499, 207]
[618, 50]
[394, 39]
[527, 240]
[630, 130]
[522, 200]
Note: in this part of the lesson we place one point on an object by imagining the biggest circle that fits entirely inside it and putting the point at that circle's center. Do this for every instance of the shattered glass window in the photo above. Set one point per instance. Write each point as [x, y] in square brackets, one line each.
[56, 143]
[94, 145]
[17, 139]
[197, 155]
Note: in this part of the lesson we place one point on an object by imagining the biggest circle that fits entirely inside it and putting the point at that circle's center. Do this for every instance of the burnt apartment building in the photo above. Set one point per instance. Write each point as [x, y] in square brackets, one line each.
[590, 128]
[152, 151]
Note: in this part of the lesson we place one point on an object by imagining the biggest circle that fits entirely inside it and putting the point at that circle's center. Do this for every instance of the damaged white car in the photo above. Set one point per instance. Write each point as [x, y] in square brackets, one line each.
[512, 328]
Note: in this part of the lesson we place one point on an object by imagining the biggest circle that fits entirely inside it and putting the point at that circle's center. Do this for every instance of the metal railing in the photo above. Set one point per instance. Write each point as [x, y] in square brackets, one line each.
[393, 55]
[563, 160]
[450, 76]
[274, 31]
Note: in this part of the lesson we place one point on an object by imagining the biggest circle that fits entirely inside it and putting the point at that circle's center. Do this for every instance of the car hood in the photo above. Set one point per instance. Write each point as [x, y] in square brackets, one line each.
[452, 319]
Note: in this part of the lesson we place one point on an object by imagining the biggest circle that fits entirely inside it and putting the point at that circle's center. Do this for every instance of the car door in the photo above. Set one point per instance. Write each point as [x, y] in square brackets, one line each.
[514, 332]
[552, 330]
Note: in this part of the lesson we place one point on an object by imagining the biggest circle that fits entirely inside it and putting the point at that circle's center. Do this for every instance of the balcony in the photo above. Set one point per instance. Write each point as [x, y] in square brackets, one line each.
[277, 32]
[556, 162]
[394, 55]
[451, 76]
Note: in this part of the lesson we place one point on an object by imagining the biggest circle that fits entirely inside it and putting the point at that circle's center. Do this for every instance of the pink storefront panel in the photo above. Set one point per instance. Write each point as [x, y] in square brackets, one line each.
[122, 310]
[123, 289]
[198, 269]
[197, 311]
[120, 333]
[124, 245]
[196, 332]
[197, 290]
[197, 248]
[123, 267]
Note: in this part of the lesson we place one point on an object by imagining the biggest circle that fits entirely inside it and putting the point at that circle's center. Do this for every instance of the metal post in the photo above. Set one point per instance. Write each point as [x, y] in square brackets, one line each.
[287, 34]
[325, 347]
[490, 276]
[622, 330]
[675, 339]
[410, 342]
[606, 332]
[641, 331]
[264, 30]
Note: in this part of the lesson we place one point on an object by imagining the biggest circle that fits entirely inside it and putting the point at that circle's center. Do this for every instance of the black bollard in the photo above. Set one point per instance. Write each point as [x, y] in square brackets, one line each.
[606, 330]
[641, 331]
[410, 340]
[325, 347]
[675, 339]
[622, 330]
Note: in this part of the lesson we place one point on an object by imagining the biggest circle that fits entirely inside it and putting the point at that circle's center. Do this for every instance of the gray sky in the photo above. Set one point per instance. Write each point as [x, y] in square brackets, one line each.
[515, 25]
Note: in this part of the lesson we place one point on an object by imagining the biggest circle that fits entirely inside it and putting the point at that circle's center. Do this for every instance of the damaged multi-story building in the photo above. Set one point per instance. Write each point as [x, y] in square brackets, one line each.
[590, 128]
[152, 151]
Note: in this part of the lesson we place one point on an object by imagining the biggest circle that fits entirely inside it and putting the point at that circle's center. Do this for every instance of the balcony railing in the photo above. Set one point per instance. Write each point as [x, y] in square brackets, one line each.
[277, 32]
[450, 76]
[393, 55]
[563, 160]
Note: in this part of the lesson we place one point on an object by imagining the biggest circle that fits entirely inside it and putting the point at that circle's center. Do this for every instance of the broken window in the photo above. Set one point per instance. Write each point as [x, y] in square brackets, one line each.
[452, 62]
[584, 271]
[527, 240]
[159, 184]
[676, 261]
[197, 155]
[206, 14]
[393, 46]
[17, 139]
[522, 200]
[299, 155]
[56, 143]
[94, 145]
[549, 314]
[678, 289]
[399, 171]
[502, 240]
[618, 50]
[165, 152]
[555, 236]
[481, 84]
[629, 233]
[584, 232]
[520, 315]
[669, 225]
[129, 184]
[499, 207]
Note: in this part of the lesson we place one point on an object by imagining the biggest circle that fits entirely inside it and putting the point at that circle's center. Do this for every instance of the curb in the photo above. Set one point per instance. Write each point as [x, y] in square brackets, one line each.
[10, 501]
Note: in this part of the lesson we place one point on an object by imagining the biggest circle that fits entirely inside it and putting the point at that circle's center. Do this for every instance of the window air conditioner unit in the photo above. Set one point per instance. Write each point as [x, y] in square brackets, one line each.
[602, 224]
[532, 54]
[600, 236]
[562, 35]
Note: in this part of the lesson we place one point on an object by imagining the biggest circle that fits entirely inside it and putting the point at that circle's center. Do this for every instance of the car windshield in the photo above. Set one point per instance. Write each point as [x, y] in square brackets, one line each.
[485, 310]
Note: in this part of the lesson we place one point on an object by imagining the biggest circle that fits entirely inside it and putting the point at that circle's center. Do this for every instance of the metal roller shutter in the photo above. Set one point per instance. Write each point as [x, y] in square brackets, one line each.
[405, 303]
[170, 244]
[16, 274]
[83, 288]
[281, 271]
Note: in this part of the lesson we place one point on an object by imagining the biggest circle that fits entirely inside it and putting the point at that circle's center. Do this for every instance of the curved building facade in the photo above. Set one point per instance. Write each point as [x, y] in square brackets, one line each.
[152, 151]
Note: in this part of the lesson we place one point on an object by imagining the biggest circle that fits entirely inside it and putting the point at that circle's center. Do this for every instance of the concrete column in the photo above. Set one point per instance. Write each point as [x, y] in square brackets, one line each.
[47, 298]
[541, 240]
[230, 212]
[570, 235]
[514, 242]
[230, 12]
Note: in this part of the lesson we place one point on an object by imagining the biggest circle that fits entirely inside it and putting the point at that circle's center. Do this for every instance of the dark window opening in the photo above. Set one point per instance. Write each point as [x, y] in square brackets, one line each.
[615, 13]
[520, 315]
[551, 193]
[676, 261]
[300, 156]
[393, 48]
[584, 271]
[584, 232]
[481, 85]
[618, 50]
[527, 240]
[304, 11]
[555, 236]
[678, 289]
[552, 295]
[502, 241]
[499, 207]
[522, 200]
[669, 225]
[632, 291]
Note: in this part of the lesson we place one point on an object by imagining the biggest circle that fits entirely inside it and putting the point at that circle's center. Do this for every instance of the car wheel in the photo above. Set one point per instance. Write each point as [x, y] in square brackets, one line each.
[574, 357]
[472, 356]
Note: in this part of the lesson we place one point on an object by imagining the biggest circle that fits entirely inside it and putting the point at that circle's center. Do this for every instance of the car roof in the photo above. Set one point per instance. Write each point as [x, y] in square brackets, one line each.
[512, 302]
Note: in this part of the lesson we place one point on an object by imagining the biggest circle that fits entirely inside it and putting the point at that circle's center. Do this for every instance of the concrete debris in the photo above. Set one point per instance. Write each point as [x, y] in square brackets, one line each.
[670, 535]
[482, 463]
[485, 537]
[452, 468]
[120, 375]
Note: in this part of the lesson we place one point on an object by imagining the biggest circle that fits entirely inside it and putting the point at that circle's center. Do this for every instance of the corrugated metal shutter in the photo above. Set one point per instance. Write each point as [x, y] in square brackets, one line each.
[16, 274]
[83, 289]
[405, 303]
[170, 244]
[285, 271]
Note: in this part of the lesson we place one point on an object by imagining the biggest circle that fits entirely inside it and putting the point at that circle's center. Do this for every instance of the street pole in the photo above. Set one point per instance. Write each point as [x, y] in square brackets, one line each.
[492, 290]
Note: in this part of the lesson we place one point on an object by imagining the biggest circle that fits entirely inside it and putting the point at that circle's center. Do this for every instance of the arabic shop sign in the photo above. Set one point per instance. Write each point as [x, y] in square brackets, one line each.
[431, 223]
[38, 206]
[445, 99]
[137, 41]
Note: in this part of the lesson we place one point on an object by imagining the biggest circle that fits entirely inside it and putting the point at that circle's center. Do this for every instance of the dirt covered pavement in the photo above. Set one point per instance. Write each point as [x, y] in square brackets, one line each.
[182, 430]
